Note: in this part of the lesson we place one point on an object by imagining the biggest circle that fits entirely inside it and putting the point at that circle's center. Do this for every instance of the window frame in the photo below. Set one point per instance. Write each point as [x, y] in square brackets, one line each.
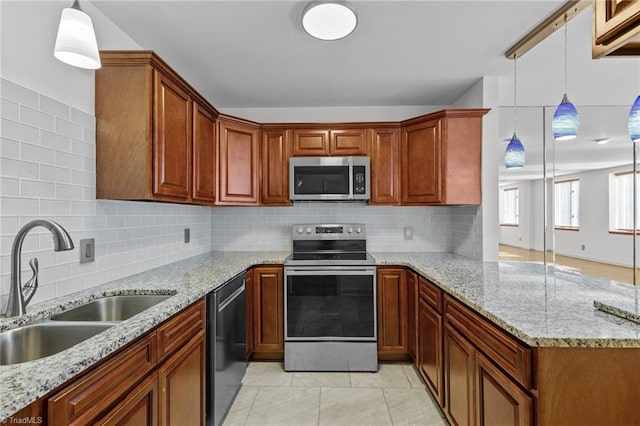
[566, 227]
[612, 213]
[517, 206]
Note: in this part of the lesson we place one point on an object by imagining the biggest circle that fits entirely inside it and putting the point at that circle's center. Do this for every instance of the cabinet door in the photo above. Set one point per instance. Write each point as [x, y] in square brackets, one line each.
[238, 164]
[171, 139]
[412, 314]
[250, 314]
[204, 155]
[459, 378]
[385, 167]
[139, 408]
[310, 142]
[392, 303]
[268, 319]
[499, 400]
[182, 385]
[275, 167]
[349, 142]
[422, 163]
[613, 18]
[430, 349]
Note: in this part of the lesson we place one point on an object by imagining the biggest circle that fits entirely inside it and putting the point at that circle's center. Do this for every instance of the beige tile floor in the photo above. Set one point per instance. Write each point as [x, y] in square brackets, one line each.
[395, 395]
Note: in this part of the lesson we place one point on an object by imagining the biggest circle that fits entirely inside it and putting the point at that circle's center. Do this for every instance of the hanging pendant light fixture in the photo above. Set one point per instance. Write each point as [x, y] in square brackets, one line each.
[329, 20]
[565, 120]
[514, 154]
[76, 43]
[634, 121]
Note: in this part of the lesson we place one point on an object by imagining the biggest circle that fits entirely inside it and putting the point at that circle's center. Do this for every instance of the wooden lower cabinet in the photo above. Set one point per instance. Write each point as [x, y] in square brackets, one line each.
[393, 333]
[430, 349]
[182, 385]
[152, 381]
[139, 408]
[459, 378]
[268, 312]
[412, 314]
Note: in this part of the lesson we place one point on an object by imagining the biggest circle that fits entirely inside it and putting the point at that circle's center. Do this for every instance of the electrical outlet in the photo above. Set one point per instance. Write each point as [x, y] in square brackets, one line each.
[187, 235]
[87, 250]
[582, 247]
[408, 232]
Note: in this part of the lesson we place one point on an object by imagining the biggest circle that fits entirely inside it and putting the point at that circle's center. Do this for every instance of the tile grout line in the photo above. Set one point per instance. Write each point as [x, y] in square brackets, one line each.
[319, 403]
[386, 404]
[251, 408]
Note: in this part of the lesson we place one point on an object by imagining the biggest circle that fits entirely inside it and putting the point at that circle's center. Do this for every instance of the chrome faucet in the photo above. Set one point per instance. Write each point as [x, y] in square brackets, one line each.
[19, 295]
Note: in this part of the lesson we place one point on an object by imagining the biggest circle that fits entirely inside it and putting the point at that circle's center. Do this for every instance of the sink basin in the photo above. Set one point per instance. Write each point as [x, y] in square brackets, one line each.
[37, 341]
[111, 308]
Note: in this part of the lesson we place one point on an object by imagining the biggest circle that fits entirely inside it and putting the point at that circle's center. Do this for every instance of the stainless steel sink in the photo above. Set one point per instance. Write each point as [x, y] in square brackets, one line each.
[40, 340]
[111, 308]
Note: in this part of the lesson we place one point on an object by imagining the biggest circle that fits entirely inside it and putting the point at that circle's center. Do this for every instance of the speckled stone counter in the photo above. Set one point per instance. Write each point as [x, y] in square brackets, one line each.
[556, 311]
[189, 280]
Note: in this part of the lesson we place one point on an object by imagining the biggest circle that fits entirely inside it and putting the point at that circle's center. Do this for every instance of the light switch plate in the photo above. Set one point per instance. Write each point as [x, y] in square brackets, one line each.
[187, 235]
[87, 250]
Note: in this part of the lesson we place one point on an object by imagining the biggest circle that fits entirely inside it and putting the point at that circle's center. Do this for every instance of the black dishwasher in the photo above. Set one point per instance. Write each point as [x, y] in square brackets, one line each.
[226, 346]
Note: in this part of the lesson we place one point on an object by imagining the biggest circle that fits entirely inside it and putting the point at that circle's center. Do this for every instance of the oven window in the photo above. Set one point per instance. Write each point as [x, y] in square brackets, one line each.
[339, 306]
[321, 180]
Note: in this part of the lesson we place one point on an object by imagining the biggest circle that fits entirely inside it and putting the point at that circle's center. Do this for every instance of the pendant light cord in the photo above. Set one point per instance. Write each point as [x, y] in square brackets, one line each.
[565, 53]
[515, 86]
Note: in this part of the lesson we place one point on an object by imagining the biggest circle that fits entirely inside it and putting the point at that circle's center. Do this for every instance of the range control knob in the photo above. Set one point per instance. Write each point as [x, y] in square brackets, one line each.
[358, 229]
[308, 230]
[350, 229]
[300, 230]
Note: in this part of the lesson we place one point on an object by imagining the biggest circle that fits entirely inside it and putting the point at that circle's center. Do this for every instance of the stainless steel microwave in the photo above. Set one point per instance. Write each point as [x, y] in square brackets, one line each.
[329, 178]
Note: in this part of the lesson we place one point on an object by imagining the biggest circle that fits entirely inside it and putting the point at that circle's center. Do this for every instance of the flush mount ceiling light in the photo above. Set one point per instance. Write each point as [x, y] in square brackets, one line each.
[76, 43]
[514, 154]
[565, 120]
[329, 20]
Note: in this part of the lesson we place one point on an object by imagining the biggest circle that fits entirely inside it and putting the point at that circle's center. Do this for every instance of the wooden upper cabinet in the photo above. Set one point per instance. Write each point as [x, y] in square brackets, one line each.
[330, 141]
[348, 142]
[238, 163]
[275, 167]
[385, 166]
[204, 155]
[441, 158]
[310, 142]
[616, 27]
[153, 132]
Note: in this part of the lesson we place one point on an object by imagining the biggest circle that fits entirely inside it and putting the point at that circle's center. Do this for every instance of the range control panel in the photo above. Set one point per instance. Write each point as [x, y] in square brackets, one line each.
[329, 231]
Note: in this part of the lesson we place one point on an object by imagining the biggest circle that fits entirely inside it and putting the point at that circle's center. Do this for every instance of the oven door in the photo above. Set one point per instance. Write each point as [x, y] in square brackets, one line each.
[331, 303]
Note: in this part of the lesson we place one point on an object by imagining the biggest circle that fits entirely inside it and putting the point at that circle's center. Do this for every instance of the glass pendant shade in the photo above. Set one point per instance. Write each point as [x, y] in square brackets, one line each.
[634, 121]
[565, 121]
[514, 155]
[329, 20]
[76, 43]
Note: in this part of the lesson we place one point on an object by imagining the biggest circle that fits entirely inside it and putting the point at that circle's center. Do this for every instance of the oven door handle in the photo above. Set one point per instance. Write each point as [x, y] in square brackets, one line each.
[330, 271]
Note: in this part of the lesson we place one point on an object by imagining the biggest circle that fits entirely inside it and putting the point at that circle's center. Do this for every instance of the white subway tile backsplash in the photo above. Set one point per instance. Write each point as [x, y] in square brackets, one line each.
[18, 169]
[19, 132]
[55, 207]
[55, 174]
[37, 189]
[54, 141]
[89, 135]
[83, 178]
[70, 161]
[9, 226]
[83, 119]
[69, 192]
[9, 148]
[37, 154]
[36, 119]
[82, 148]
[9, 110]
[19, 94]
[55, 108]
[67, 128]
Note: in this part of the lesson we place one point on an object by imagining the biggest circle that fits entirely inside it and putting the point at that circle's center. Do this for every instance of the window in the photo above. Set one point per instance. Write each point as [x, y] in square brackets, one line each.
[567, 201]
[510, 208]
[621, 202]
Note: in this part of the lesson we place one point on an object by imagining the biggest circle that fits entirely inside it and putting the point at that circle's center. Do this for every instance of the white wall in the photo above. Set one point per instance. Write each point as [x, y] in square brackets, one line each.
[47, 166]
[518, 236]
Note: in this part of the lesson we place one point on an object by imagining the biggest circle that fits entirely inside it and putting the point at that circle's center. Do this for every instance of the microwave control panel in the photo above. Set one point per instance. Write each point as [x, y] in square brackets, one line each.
[359, 180]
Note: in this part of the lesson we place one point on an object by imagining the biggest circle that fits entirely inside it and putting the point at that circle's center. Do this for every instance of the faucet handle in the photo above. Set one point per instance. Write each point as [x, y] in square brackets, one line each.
[29, 288]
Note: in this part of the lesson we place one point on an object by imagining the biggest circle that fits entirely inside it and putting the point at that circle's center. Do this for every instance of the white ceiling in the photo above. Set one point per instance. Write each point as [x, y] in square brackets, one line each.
[255, 53]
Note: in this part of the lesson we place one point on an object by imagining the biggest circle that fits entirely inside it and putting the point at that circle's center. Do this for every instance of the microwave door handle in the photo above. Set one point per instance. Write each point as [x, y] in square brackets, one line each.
[350, 179]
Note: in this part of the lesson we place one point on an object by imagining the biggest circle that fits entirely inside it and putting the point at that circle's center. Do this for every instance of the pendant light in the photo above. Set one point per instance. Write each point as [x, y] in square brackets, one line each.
[634, 121]
[514, 155]
[329, 20]
[76, 43]
[565, 120]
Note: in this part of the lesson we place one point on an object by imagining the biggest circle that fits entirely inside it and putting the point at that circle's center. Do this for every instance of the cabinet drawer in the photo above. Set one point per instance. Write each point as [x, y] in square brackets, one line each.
[431, 294]
[508, 353]
[85, 400]
[176, 332]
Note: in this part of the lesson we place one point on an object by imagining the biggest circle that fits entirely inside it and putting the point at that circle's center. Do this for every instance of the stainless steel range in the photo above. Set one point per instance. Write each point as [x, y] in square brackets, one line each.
[330, 300]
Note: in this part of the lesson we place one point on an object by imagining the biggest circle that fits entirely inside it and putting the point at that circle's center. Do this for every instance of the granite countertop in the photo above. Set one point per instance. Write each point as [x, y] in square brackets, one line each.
[557, 311]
